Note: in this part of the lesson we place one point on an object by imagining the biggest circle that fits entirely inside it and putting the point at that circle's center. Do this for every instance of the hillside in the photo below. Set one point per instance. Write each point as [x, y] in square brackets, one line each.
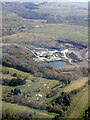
[44, 60]
[39, 92]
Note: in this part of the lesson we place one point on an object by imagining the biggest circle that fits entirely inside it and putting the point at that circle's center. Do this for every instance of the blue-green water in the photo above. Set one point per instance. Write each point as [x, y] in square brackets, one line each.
[55, 64]
[4, 53]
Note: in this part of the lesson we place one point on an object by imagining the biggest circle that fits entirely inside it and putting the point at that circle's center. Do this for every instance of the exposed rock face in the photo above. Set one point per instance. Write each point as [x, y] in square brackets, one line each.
[74, 57]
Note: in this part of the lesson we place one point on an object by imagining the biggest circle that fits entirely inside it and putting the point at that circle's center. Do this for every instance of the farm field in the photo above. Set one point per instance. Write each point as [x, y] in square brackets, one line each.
[62, 31]
[57, 31]
[33, 84]
[13, 108]
[47, 35]
[78, 104]
[76, 84]
[62, 10]
[52, 30]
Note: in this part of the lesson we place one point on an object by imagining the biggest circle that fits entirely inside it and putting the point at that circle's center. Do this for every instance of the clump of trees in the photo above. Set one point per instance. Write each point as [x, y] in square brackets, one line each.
[59, 105]
[14, 81]
[7, 31]
[16, 91]
[55, 109]
[7, 115]
[46, 71]
[87, 114]
[15, 96]
[38, 71]
[52, 93]
[64, 99]
[5, 72]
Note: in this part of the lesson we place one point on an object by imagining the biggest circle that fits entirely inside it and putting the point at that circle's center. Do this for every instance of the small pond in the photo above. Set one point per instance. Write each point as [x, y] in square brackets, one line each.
[4, 53]
[54, 64]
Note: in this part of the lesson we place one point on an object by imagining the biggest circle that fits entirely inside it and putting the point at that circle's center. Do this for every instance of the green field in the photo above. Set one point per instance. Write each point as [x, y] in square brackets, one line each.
[30, 86]
[63, 31]
[49, 31]
[13, 108]
[46, 35]
[63, 11]
[78, 105]
[76, 84]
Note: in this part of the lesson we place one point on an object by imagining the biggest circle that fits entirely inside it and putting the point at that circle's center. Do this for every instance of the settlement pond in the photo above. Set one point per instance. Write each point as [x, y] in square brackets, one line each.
[54, 64]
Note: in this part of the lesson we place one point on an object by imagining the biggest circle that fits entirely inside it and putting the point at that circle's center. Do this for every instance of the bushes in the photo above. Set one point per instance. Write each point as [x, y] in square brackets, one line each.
[7, 115]
[52, 93]
[45, 72]
[16, 91]
[55, 109]
[64, 99]
[18, 98]
[15, 63]
[14, 82]
[87, 114]
[5, 72]
[60, 104]
[14, 74]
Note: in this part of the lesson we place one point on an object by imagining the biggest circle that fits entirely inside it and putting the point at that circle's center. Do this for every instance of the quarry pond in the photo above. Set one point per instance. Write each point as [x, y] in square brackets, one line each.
[54, 64]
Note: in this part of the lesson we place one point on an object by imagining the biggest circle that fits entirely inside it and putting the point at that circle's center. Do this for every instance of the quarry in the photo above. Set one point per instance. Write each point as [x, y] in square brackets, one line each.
[71, 56]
